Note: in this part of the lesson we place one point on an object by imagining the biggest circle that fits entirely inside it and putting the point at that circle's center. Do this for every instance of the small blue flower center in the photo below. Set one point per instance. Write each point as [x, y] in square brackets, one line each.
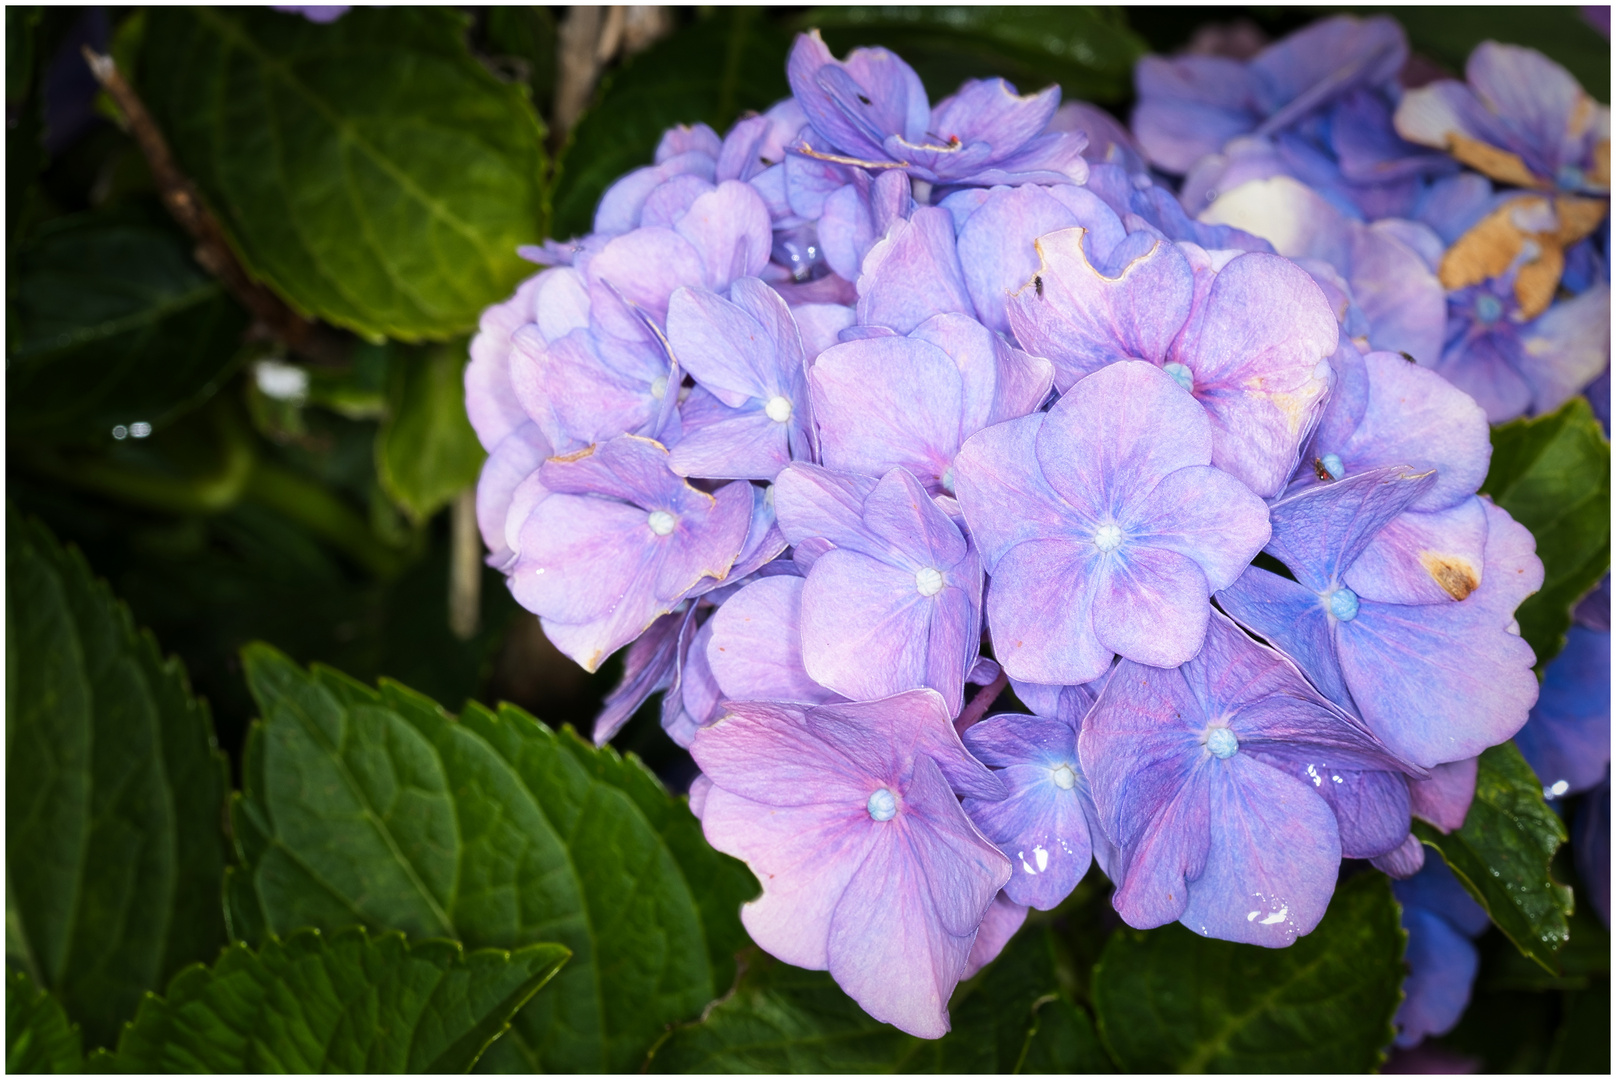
[1108, 538]
[947, 479]
[1332, 465]
[1222, 742]
[1489, 309]
[1063, 775]
[1344, 604]
[1181, 375]
[883, 806]
[1571, 177]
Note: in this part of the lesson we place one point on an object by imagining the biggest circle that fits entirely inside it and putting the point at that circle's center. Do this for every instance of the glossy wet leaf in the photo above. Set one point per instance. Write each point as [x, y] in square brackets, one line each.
[1168, 1000]
[39, 1036]
[709, 71]
[346, 1002]
[426, 450]
[114, 794]
[370, 170]
[1502, 854]
[376, 807]
[1552, 474]
[114, 324]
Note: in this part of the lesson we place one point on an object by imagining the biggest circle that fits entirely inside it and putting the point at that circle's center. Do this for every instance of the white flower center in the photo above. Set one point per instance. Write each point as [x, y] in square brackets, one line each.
[1108, 538]
[659, 387]
[882, 805]
[778, 409]
[661, 522]
[928, 581]
[1222, 742]
[1064, 777]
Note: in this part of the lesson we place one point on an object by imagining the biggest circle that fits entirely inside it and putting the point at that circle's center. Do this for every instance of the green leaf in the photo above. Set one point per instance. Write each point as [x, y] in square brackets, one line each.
[39, 1037]
[426, 450]
[1168, 1000]
[115, 324]
[1553, 475]
[1502, 854]
[370, 170]
[346, 1003]
[707, 72]
[114, 794]
[1090, 51]
[1063, 1040]
[376, 807]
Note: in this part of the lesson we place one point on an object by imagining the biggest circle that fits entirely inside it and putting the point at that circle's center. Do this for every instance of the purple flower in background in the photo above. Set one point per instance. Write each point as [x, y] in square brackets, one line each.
[1104, 527]
[618, 540]
[1441, 920]
[887, 402]
[1591, 842]
[315, 13]
[895, 604]
[1435, 681]
[1248, 336]
[999, 925]
[1567, 739]
[869, 867]
[1190, 106]
[1519, 117]
[1200, 776]
[871, 110]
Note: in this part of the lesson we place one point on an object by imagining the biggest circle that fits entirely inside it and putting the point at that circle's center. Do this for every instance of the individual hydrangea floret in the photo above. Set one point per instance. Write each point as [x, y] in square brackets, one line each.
[1567, 739]
[869, 867]
[1200, 776]
[1118, 554]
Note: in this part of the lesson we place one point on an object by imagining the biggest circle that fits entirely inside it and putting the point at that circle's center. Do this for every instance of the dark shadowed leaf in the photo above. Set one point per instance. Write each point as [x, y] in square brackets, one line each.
[1168, 1000]
[376, 807]
[426, 450]
[1502, 854]
[370, 170]
[39, 1037]
[347, 1003]
[114, 794]
[1553, 475]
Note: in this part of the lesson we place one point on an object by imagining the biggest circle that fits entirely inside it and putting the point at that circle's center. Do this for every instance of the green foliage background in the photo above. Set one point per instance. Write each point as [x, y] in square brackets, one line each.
[197, 813]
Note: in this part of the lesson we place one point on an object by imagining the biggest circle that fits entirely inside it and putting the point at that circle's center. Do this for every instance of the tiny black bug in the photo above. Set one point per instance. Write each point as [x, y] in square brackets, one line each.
[1038, 285]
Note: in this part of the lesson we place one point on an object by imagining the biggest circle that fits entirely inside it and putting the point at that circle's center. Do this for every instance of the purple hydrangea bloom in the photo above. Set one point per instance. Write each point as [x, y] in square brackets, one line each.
[1567, 739]
[1200, 776]
[869, 867]
[1435, 681]
[1591, 843]
[1119, 556]
[999, 925]
[617, 541]
[1441, 919]
[315, 13]
[1519, 117]
[895, 603]
[1190, 106]
[1248, 335]
[871, 111]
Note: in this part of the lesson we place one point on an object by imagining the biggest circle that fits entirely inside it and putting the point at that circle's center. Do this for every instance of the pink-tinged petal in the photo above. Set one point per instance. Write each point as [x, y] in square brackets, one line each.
[998, 382]
[647, 667]
[882, 403]
[1444, 797]
[901, 513]
[722, 346]
[638, 272]
[1441, 682]
[1082, 318]
[864, 627]
[1424, 558]
[621, 207]
[687, 139]
[1272, 862]
[1039, 613]
[1321, 532]
[884, 736]
[1003, 491]
[1258, 352]
[804, 857]
[513, 460]
[711, 530]
[913, 273]
[670, 202]
[755, 648]
[813, 502]
[729, 444]
[964, 871]
[999, 925]
[692, 701]
[1567, 347]
[1403, 861]
[628, 468]
[1043, 830]
[1151, 605]
[819, 325]
[699, 787]
[565, 532]
[730, 229]
[765, 751]
[996, 245]
[1206, 515]
[528, 494]
[1158, 867]
[1127, 424]
[491, 402]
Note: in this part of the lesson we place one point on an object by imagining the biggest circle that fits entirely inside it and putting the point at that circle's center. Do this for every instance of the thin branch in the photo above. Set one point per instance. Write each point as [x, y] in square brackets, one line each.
[304, 336]
[465, 566]
[982, 702]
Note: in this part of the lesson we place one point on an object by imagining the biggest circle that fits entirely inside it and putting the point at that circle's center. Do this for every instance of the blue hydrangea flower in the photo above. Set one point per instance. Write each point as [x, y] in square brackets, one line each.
[1567, 739]
[1442, 920]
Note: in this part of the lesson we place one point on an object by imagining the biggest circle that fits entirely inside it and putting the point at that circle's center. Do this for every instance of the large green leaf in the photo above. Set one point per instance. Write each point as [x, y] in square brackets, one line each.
[707, 72]
[1089, 51]
[39, 1037]
[376, 807]
[347, 1003]
[115, 324]
[114, 794]
[781, 1019]
[1168, 1000]
[370, 170]
[1553, 475]
[426, 450]
[1502, 854]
